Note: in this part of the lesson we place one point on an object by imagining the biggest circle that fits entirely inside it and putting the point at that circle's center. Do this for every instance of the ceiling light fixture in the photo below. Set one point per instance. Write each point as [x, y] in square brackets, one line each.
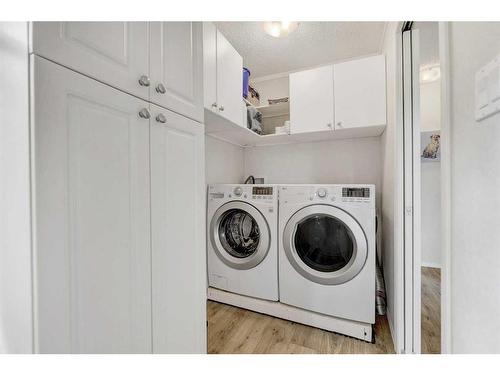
[280, 29]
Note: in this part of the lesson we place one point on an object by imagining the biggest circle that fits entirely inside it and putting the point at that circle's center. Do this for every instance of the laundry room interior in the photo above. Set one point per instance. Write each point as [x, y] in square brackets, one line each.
[295, 157]
[249, 187]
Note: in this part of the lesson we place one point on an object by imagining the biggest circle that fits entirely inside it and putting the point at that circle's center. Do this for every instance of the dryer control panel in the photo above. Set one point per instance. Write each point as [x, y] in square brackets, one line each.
[329, 194]
[355, 192]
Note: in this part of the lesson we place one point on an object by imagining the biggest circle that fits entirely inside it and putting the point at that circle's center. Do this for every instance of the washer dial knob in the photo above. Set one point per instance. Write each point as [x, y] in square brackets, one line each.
[321, 192]
[238, 191]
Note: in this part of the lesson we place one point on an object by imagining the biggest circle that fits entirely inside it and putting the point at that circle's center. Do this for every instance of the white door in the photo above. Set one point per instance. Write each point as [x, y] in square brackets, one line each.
[210, 66]
[229, 80]
[176, 65]
[116, 53]
[178, 233]
[411, 191]
[311, 100]
[91, 216]
[360, 98]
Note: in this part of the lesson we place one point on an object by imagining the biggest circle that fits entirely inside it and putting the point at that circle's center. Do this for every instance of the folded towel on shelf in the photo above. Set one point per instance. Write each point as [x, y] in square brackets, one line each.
[254, 120]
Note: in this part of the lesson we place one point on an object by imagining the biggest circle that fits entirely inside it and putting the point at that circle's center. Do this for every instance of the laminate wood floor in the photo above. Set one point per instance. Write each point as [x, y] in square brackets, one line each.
[431, 310]
[235, 330]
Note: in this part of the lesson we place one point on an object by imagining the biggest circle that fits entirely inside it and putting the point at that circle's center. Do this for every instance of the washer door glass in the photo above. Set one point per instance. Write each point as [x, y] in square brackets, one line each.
[324, 243]
[239, 233]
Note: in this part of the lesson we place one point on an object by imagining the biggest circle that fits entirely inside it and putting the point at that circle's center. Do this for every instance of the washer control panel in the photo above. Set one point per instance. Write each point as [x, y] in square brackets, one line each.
[262, 193]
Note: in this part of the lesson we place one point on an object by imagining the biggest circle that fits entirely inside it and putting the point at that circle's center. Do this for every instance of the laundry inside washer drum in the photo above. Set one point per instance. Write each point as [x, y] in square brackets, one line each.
[239, 233]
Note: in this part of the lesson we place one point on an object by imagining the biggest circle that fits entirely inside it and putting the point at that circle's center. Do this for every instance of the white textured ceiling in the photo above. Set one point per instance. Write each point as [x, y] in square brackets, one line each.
[312, 44]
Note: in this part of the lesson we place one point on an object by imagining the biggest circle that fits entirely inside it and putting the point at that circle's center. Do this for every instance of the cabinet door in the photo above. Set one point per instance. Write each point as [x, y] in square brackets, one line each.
[116, 53]
[210, 66]
[311, 100]
[91, 199]
[360, 98]
[177, 67]
[229, 80]
[178, 233]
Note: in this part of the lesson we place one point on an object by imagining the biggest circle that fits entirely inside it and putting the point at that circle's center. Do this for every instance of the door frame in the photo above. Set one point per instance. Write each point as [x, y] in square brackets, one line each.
[444, 57]
[405, 310]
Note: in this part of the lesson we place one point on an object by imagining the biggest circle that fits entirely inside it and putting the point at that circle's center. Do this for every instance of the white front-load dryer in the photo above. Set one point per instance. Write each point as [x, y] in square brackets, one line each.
[327, 249]
[242, 246]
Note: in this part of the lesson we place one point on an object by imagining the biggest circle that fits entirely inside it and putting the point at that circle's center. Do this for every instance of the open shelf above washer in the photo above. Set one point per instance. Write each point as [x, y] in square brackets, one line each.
[220, 128]
[273, 110]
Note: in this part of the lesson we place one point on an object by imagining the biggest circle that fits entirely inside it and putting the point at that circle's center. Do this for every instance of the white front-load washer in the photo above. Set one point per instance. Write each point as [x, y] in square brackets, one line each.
[327, 249]
[242, 246]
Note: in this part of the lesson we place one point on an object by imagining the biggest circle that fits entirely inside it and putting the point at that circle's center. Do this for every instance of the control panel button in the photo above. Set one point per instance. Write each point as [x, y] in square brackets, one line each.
[321, 192]
[238, 191]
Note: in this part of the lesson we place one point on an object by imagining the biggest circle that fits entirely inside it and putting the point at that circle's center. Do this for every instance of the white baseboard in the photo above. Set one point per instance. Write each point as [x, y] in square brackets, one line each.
[430, 264]
[359, 330]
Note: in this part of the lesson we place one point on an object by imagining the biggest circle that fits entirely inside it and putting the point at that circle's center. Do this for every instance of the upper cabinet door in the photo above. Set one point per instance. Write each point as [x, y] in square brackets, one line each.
[229, 80]
[311, 100]
[178, 233]
[91, 207]
[116, 53]
[360, 94]
[210, 66]
[177, 67]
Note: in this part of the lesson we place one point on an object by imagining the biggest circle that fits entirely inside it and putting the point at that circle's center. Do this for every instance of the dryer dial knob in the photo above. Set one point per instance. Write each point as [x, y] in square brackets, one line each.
[238, 191]
[321, 192]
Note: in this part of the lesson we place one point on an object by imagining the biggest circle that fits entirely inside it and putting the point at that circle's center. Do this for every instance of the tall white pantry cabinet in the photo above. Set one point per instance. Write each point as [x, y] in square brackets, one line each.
[116, 188]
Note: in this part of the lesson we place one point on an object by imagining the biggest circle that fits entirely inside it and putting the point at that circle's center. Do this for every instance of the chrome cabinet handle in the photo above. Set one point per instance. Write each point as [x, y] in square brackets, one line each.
[160, 88]
[161, 118]
[144, 113]
[221, 108]
[339, 123]
[214, 105]
[144, 81]
[329, 125]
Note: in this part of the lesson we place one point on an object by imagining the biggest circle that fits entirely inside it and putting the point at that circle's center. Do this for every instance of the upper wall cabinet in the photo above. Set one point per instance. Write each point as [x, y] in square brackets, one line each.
[210, 66]
[360, 93]
[158, 61]
[116, 53]
[311, 100]
[223, 68]
[176, 67]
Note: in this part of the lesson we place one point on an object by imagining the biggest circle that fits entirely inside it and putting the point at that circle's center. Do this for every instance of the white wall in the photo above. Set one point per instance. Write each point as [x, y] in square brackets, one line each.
[273, 88]
[475, 196]
[430, 105]
[16, 329]
[430, 119]
[329, 162]
[390, 254]
[223, 162]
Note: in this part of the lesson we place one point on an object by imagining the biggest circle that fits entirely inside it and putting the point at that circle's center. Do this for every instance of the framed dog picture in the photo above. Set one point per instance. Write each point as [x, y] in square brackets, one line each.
[430, 146]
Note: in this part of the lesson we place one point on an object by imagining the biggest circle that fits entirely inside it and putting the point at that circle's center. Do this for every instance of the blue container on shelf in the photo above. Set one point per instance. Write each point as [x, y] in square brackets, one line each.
[246, 78]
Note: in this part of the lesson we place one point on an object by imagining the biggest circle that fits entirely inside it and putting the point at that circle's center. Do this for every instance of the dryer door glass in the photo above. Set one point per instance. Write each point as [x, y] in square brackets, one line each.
[239, 233]
[324, 243]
